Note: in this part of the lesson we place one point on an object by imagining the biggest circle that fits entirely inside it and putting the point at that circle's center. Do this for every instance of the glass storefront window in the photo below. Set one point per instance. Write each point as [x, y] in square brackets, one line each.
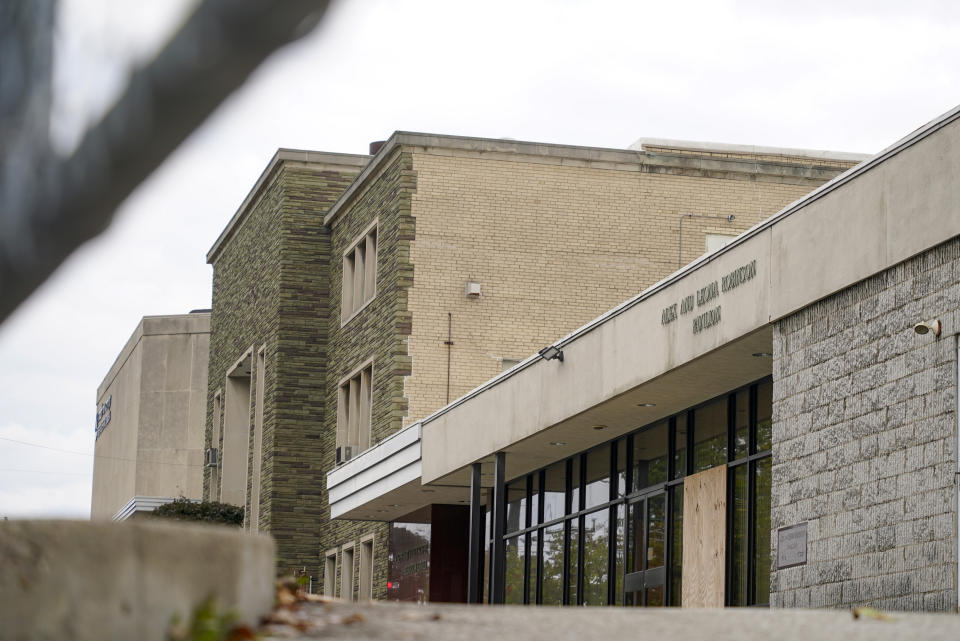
[710, 435]
[534, 512]
[408, 563]
[554, 491]
[552, 588]
[737, 513]
[621, 478]
[676, 561]
[572, 560]
[741, 424]
[597, 490]
[620, 558]
[761, 532]
[575, 485]
[513, 591]
[517, 505]
[764, 415]
[645, 545]
[650, 449]
[681, 434]
[532, 569]
[596, 546]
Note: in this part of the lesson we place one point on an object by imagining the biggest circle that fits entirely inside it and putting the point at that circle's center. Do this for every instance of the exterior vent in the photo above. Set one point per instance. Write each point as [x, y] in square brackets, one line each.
[210, 457]
[344, 454]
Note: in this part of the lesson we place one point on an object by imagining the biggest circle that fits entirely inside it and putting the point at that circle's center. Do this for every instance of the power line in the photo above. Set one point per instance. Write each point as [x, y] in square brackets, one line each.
[46, 447]
[99, 456]
[12, 469]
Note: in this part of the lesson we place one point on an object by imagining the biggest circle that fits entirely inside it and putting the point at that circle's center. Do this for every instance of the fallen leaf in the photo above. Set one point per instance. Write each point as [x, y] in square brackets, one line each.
[871, 613]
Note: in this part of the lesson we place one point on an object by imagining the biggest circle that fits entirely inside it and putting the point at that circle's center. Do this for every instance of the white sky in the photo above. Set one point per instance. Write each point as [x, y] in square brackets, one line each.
[847, 76]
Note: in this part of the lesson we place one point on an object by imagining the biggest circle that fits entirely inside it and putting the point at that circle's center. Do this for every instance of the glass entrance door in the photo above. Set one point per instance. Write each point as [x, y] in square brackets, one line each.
[646, 551]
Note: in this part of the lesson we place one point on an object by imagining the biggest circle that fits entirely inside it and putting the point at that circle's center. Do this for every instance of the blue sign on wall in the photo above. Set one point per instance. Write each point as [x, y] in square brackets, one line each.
[103, 415]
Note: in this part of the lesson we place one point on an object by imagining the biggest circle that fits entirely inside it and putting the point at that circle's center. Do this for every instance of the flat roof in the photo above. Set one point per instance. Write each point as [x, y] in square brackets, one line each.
[320, 158]
[726, 148]
[196, 322]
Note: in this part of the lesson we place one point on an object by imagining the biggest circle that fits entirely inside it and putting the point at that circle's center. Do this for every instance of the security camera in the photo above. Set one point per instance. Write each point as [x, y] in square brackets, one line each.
[927, 326]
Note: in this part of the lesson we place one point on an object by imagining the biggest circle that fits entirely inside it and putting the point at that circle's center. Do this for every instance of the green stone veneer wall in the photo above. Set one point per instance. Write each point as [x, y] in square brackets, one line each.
[271, 288]
[378, 331]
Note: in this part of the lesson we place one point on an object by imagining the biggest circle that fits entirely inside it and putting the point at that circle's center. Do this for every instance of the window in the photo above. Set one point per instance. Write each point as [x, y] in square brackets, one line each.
[330, 573]
[605, 526]
[359, 273]
[353, 412]
[366, 568]
[346, 574]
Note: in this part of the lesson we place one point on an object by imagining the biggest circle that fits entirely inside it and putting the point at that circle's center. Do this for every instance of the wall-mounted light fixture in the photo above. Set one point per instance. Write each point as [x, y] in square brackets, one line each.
[551, 352]
[473, 290]
[928, 326]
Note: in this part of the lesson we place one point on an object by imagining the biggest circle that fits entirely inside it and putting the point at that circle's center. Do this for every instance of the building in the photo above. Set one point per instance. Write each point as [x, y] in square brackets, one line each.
[775, 423]
[151, 411]
[355, 295]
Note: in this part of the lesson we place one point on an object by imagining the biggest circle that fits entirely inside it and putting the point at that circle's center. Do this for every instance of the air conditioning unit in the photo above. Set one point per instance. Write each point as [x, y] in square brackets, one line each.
[210, 457]
[345, 453]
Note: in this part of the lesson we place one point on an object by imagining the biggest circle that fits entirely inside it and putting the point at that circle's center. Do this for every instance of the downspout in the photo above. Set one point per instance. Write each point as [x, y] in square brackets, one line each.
[449, 344]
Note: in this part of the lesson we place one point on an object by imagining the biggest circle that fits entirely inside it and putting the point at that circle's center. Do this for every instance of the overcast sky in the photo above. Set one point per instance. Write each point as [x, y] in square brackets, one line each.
[847, 76]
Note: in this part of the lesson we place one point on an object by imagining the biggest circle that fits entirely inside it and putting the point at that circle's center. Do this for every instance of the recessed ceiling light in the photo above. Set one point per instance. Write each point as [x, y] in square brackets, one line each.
[646, 404]
[762, 355]
[558, 443]
[394, 505]
[599, 427]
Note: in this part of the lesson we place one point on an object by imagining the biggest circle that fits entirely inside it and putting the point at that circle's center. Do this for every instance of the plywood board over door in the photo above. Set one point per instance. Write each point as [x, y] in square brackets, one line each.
[704, 538]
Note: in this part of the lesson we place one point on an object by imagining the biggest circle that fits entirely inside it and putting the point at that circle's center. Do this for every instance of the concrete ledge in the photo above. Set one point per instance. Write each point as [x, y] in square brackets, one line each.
[101, 581]
[480, 623]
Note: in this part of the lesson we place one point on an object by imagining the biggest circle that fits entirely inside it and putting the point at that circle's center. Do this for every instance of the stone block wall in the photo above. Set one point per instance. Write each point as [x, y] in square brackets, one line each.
[865, 441]
[271, 290]
[378, 331]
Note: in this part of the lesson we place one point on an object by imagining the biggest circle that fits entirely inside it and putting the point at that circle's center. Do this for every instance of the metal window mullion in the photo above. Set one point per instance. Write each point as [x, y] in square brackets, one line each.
[611, 527]
[567, 491]
[751, 498]
[668, 547]
[526, 535]
[540, 535]
[475, 553]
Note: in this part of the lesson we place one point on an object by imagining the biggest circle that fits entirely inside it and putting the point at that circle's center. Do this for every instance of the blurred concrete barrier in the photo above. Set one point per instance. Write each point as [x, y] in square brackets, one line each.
[101, 581]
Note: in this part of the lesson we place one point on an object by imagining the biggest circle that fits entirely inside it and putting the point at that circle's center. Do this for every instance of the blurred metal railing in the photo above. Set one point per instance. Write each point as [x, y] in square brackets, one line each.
[49, 206]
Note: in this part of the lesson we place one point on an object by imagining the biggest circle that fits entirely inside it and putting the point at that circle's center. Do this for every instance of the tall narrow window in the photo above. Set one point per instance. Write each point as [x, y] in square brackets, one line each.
[330, 573]
[346, 574]
[236, 434]
[353, 413]
[359, 273]
[257, 462]
[215, 445]
[366, 569]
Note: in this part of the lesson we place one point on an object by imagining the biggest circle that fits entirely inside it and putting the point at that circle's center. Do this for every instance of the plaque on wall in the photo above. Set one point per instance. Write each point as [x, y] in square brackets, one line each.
[792, 546]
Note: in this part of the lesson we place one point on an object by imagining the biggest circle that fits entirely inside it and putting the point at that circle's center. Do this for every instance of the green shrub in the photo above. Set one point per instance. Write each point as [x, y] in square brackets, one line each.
[183, 509]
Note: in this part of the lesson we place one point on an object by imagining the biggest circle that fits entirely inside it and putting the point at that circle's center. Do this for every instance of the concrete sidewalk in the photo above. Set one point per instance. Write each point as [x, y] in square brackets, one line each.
[383, 621]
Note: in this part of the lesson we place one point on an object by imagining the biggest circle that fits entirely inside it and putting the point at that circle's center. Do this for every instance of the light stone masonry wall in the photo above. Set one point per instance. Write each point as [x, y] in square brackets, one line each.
[552, 246]
[865, 441]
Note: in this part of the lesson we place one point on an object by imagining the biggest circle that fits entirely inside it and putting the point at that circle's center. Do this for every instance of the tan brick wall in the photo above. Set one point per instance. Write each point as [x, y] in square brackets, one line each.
[553, 247]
